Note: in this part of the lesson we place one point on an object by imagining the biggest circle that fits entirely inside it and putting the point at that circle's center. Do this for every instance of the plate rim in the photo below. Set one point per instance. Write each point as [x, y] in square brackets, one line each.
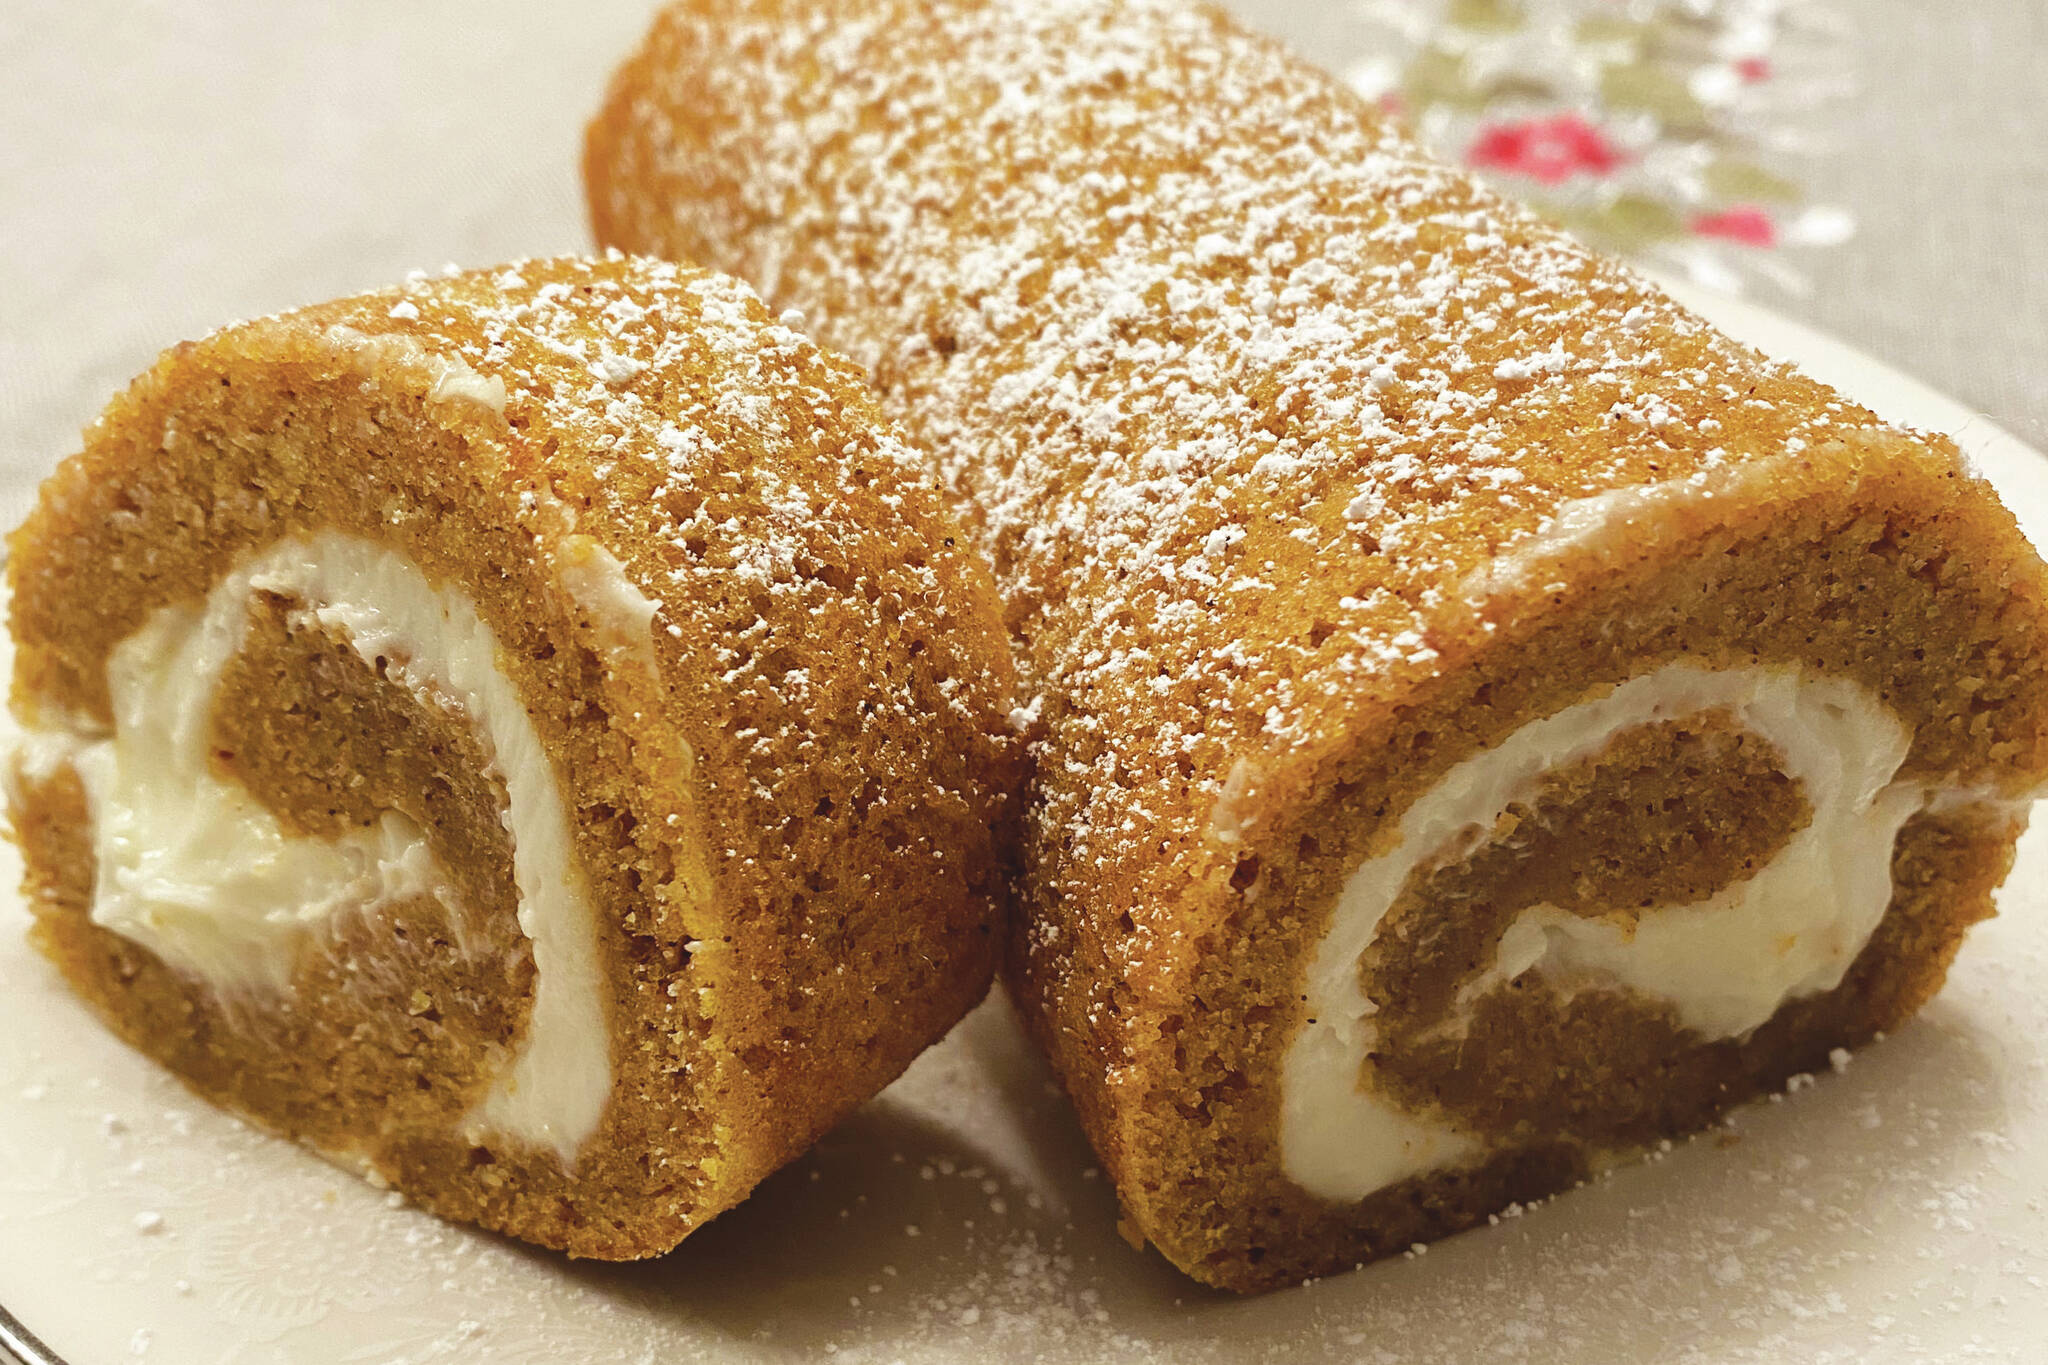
[19, 1346]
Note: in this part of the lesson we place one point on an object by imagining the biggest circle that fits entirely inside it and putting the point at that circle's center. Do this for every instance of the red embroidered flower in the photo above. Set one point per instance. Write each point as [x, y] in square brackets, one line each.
[1745, 223]
[1754, 69]
[1550, 149]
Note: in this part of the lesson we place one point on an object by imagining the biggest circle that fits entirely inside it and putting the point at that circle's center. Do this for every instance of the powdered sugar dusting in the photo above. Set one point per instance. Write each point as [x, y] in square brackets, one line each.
[672, 375]
[1237, 387]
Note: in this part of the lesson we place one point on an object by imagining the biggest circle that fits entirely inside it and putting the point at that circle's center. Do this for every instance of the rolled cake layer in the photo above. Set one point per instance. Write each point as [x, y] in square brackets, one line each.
[1488, 721]
[530, 735]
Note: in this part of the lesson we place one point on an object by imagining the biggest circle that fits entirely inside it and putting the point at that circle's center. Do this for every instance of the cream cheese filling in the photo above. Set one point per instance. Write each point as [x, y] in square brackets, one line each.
[194, 868]
[1724, 965]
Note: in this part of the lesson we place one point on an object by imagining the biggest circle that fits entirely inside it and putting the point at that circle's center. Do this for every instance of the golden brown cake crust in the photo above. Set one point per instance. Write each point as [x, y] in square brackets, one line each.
[1308, 467]
[792, 815]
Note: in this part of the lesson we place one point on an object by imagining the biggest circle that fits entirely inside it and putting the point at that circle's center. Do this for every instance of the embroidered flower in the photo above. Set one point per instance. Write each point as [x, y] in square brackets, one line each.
[1744, 223]
[1552, 149]
[1663, 129]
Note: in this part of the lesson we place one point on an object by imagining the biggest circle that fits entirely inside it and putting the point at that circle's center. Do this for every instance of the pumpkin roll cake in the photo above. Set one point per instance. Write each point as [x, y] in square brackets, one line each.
[531, 735]
[1487, 722]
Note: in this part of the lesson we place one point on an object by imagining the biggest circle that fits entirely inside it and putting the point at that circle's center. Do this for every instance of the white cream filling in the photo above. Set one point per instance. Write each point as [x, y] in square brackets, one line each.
[621, 613]
[192, 867]
[450, 379]
[1724, 965]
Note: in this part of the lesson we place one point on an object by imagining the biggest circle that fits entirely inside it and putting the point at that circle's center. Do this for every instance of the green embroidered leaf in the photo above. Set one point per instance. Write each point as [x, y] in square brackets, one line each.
[1601, 30]
[1496, 15]
[1438, 77]
[1734, 180]
[1654, 91]
[1629, 221]
[1519, 85]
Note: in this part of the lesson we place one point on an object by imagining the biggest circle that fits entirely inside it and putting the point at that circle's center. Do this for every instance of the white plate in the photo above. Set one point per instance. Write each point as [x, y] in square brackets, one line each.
[1895, 1212]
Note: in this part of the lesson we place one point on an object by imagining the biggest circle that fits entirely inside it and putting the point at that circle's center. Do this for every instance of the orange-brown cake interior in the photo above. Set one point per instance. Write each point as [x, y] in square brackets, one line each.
[1667, 814]
[392, 1018]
